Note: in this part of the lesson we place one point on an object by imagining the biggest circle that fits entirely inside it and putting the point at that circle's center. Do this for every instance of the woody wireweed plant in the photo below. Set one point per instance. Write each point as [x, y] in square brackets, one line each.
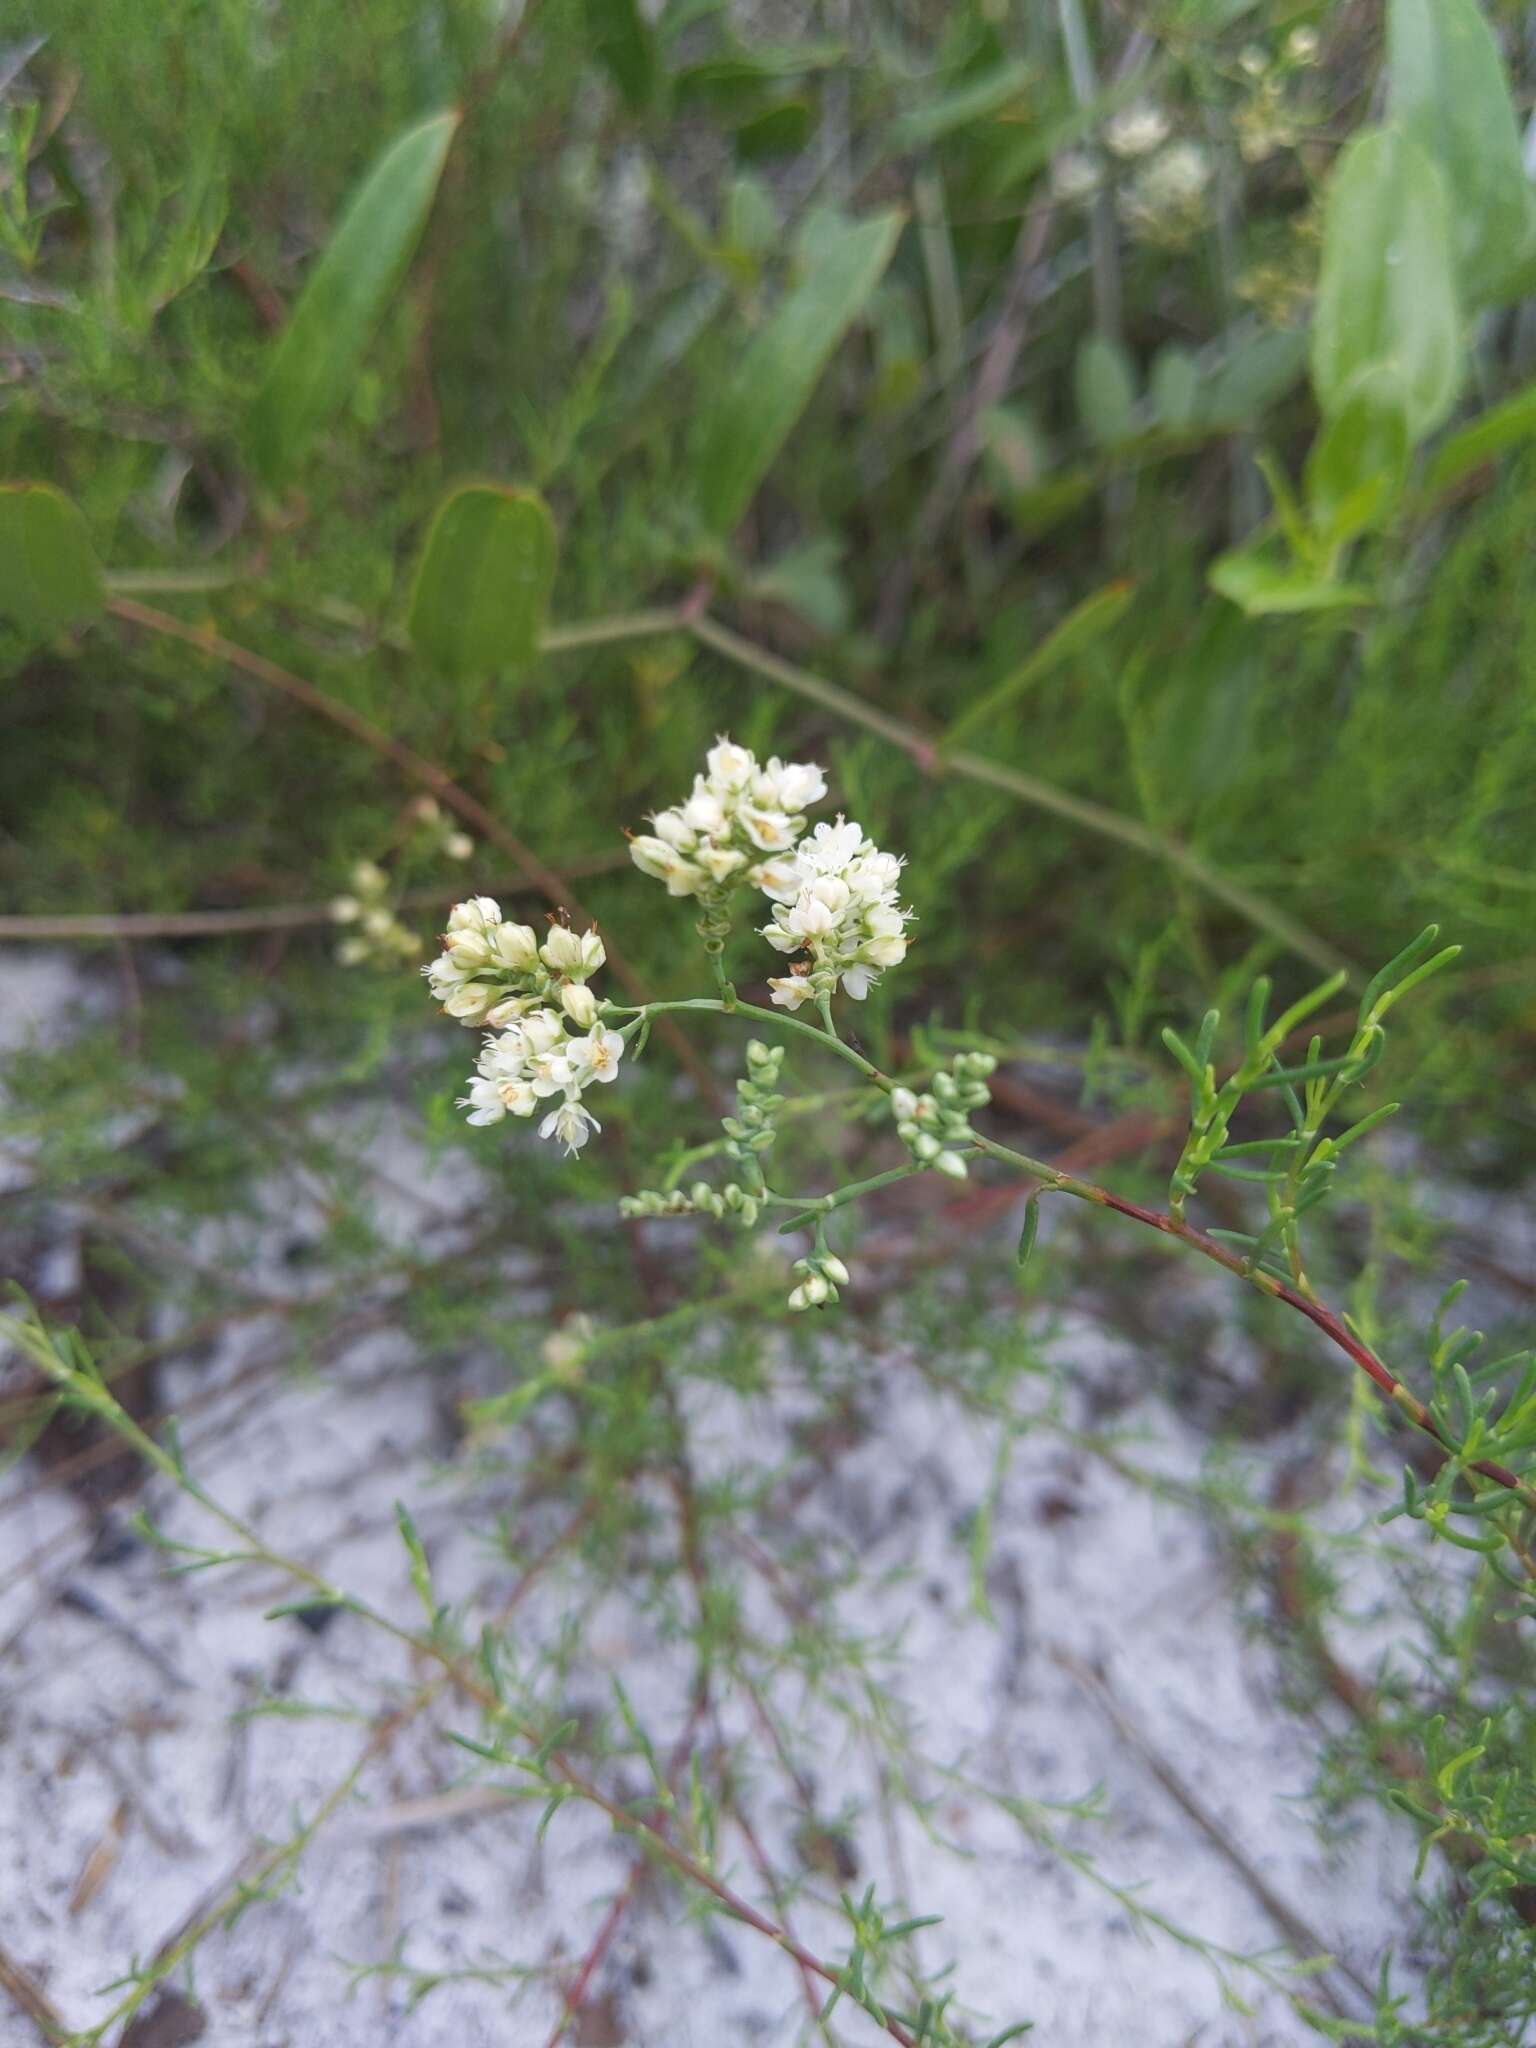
[740, 838]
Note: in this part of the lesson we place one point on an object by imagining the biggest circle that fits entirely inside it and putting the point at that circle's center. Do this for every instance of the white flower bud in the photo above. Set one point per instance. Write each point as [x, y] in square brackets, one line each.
[952, 1164]
[903, 1105]
[579, 1004]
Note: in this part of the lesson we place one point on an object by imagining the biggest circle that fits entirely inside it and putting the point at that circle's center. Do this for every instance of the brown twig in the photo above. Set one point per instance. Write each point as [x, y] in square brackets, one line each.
[27, 1997]
[417, 768]
[272, 917]
[1301, 1938]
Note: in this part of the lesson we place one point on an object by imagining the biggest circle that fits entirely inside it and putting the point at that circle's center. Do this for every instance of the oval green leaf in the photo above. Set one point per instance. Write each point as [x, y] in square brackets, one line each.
[1449, 92]
[482, 588]
[752, 417]
[317, 354]
[1105, 386]
[1386, 295]
[49, 575]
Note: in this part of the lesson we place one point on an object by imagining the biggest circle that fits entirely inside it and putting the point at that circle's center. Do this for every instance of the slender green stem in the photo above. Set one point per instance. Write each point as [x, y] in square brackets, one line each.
[780, 1020]
[1255, 909]
[811, 1207]
[644, 625]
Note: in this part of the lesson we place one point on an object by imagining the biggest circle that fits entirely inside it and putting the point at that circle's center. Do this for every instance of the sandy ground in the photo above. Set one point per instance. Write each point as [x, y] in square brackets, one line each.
[134, 1783]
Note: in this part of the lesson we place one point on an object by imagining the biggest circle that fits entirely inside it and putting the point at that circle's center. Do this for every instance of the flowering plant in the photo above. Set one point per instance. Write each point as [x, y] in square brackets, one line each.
[834, 908]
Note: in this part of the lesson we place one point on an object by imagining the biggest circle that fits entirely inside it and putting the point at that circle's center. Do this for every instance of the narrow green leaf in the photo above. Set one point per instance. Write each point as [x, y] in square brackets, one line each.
[979, 99]
[1083, 625]
[1449, 92]
[625, 44]
[483, 584]
[1106, 390]
[1031, 1228]
[317, 354]
[1502, 426]
[1386, 294]
[752, 416]
[1260, 581]
[49, 575]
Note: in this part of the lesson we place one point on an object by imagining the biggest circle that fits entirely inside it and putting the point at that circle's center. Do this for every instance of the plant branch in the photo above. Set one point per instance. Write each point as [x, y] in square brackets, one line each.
[416, 768]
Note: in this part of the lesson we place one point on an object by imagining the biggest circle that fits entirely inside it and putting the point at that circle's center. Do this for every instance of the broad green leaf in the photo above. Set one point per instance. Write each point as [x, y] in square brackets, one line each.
[1502, 426]
[1386, 296]
[315, 360]
[1359, 462]
[750, 419]
[484, 581]
[1175, 388]
[1259, 580]
[1449, 92]
[623, 41]
[1255, 374]
[1105, 389]
[49, 575]
[1082, 626]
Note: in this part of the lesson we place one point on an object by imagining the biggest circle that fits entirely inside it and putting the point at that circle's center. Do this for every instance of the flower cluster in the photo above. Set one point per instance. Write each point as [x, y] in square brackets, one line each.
[376, 934]
[547, 1039]
[838, 907]
[491, 970]
[741, 820]
[1167, 201]
[821, 1275]
[931, 1125]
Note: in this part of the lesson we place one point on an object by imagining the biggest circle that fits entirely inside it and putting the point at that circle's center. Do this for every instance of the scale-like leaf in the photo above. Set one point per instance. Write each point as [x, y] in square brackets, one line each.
[484, 581]
[748, 423]
[49, 575]
[316, 357]
[1386, 295]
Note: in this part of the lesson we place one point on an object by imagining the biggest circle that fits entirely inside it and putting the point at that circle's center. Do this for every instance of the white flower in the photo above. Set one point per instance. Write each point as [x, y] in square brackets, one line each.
[542, 1031]
[345, 910]
[572, 953]
[795, 785]
[368, 878]
[790, 991]
[458, 846]
[1074, 175]
[512, 946]
[704, 812]
[730, 767]
[571, 1123]
[769, 831]
[1138, 130]
[655, 857]
[595, 1057]
[475, 914]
